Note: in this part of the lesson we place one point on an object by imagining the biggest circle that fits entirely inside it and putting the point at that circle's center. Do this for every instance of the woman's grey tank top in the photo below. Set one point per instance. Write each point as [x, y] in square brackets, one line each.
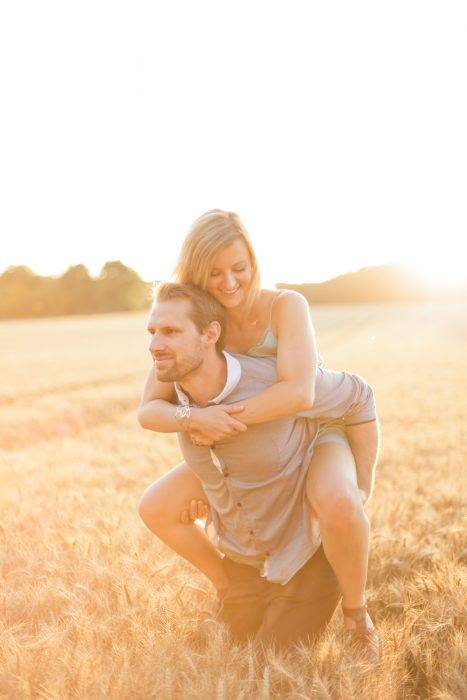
[267, 344]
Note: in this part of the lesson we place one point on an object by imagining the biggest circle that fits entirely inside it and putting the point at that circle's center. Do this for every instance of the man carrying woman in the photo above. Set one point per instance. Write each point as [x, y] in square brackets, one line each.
[270, 327]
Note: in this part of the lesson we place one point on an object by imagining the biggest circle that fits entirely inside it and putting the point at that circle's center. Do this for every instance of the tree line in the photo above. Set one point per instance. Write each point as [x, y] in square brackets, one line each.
[24, 294]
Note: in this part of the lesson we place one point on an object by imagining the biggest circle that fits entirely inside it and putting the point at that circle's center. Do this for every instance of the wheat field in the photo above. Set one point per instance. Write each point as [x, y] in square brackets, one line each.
[93, 606]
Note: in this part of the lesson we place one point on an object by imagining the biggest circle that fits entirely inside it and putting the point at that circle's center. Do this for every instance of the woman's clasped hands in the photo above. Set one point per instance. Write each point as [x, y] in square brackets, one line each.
[214, 423]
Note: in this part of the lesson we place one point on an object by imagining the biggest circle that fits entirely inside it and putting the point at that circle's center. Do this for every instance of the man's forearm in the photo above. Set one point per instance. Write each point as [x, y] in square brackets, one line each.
[364, 442]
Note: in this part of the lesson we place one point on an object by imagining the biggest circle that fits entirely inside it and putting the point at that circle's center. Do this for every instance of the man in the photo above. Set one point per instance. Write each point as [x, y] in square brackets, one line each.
[281, 587]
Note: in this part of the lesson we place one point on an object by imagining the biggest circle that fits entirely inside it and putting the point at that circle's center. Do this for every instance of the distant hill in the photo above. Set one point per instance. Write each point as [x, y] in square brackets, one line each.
[386, 283]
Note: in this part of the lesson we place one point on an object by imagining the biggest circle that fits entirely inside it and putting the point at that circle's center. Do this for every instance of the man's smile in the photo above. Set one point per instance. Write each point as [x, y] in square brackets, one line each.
[162, 358]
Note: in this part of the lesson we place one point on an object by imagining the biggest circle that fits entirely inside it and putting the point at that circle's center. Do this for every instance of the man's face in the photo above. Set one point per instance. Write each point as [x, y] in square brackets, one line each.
[176, 344]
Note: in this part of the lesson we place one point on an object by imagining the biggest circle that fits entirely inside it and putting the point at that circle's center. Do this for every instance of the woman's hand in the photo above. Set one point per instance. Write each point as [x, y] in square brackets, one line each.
[198, 510]
[214, 423]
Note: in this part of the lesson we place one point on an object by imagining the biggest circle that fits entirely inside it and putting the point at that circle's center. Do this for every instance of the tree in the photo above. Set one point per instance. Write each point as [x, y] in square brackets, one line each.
[20, 293]
[119, 288]
[75, 291]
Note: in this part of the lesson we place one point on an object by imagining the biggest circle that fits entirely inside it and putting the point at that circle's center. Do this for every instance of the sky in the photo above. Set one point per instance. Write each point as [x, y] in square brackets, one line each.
[336, 130]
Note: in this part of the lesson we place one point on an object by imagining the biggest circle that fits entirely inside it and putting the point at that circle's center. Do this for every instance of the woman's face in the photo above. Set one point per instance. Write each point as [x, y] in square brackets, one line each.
[230, 277]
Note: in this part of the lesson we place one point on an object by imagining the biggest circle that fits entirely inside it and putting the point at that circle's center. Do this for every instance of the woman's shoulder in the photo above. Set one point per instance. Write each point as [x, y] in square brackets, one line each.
[289, 307]
[287, 301]
[282, 293]
[277, 304]
[267, 295]
[281, 297]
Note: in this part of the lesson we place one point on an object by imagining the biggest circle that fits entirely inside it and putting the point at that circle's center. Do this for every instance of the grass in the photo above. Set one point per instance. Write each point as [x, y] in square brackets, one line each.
[93, 606]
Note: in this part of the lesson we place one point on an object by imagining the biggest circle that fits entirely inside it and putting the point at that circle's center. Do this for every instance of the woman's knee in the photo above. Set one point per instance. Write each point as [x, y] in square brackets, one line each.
[340, 507]
[332, 487]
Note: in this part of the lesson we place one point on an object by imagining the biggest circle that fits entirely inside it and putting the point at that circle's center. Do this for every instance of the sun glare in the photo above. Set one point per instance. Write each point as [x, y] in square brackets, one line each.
[441, 271]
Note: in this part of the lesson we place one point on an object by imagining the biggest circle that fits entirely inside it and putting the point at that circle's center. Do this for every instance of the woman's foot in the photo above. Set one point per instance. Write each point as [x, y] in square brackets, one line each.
[363, 642]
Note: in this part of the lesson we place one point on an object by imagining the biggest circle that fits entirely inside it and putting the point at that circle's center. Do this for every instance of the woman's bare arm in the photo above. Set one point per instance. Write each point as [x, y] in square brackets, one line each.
[296, 365]
[156, 409]
[157, 412]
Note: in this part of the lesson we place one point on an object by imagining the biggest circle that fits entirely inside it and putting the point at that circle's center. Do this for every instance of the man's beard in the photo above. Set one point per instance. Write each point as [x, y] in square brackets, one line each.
[177, 370]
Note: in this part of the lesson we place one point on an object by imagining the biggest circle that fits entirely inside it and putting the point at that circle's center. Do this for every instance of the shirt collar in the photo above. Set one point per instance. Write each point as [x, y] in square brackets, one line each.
[234, 372]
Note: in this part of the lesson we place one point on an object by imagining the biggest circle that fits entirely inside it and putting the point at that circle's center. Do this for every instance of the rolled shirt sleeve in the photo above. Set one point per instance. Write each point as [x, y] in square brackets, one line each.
[342, 395]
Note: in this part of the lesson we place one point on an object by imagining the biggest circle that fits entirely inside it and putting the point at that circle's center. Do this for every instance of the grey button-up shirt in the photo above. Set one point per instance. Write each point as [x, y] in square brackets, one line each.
[255, 481]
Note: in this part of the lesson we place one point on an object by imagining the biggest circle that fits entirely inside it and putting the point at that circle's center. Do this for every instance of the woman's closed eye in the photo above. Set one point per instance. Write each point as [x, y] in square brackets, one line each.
[215, 273]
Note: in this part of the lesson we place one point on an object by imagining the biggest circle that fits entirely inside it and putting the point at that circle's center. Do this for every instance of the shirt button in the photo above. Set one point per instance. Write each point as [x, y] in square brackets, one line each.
[267, 553]
[252, 532]
[239, 505]
[226, 473]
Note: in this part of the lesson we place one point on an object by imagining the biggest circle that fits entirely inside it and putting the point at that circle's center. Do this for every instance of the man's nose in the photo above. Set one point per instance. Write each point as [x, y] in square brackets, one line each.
[156, 344]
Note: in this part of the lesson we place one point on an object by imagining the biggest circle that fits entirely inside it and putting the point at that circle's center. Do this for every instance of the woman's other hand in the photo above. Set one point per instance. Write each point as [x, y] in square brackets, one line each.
[214, 423]
[198, 510]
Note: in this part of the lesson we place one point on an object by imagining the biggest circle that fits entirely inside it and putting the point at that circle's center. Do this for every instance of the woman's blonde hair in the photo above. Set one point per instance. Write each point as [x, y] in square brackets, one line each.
[209, 234]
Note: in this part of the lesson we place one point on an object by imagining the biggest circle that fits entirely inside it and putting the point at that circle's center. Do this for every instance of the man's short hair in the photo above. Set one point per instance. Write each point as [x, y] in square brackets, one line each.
[204, 308]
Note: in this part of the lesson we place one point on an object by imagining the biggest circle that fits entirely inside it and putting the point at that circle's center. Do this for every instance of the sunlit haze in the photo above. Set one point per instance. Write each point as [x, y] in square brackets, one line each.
[335, 130]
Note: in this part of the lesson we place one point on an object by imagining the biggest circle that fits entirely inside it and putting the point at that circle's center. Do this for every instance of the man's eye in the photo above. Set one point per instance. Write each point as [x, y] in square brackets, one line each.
[240, 269]
[214, 274]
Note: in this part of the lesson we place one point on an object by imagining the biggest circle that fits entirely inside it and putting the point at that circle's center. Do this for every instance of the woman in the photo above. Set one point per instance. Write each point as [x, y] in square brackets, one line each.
[217, 256]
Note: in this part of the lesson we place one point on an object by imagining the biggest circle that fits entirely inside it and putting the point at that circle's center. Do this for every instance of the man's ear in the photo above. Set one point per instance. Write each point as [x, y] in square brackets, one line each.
[212, 333]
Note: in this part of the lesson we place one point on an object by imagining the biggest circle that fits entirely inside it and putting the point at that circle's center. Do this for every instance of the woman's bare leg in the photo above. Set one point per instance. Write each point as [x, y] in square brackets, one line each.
[160, 508]
[332, 491]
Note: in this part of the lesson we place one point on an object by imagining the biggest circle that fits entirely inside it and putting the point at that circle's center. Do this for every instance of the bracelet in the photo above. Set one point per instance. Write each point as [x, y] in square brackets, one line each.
[183, 415]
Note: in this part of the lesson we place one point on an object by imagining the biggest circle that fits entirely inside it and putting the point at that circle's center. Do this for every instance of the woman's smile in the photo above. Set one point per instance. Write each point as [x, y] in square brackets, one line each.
[230, 291]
